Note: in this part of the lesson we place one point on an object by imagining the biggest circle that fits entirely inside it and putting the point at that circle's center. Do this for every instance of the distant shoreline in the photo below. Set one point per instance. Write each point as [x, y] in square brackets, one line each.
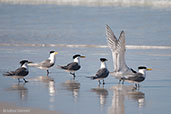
[124, 3]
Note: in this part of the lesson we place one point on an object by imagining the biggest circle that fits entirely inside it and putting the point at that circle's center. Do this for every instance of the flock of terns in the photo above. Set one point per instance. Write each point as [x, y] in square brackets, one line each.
[121, 71]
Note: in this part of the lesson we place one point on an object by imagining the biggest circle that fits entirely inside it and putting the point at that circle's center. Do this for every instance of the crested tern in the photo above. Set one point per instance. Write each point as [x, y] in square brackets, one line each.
[21, 72]
[73, 66]
[102, 72]
[117, 46]
[138, 77]
[46, 64]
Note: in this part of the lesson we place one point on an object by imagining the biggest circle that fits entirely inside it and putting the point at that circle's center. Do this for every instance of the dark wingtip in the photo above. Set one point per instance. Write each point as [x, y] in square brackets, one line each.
[122, 32]
[107, 26]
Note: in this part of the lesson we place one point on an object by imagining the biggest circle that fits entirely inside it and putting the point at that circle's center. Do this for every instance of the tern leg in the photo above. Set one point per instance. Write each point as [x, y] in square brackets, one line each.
[99, 82]
[103, 82]
[73, 75]
[19, 80]
[25, 80]
[47, 72]
[119, 81]
[123, 82]
[136, 86]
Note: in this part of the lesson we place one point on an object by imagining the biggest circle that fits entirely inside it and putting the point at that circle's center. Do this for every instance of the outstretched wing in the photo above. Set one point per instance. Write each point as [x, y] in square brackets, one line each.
[112, 43]
[111, 39]
[121, 64]
[118, 49]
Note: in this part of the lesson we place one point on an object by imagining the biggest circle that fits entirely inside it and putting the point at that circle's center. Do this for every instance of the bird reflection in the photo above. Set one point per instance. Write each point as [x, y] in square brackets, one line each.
[73, 86]
[137, 96]
[122, 92]
[45, 79]
[50, 83]
[102, 94]
[21, 89]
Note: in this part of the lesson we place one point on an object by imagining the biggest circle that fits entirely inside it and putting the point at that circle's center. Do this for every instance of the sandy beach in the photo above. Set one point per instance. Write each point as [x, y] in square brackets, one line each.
[8, 108]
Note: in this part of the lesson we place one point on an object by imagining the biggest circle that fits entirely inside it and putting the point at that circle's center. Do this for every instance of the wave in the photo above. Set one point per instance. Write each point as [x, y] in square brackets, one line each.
[83, 46]
[153, 3]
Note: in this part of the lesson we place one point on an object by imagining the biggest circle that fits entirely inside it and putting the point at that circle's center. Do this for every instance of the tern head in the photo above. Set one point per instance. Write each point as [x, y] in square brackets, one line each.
[78, 56]
[143, 69]
[53, 52]
[24, 61]
[103, 59]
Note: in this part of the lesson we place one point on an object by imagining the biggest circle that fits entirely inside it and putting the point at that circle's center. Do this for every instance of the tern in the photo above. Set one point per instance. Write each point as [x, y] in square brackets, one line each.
[102, 72]
[21, 72]
[117, 46]
[73, 66]
[46, 64]
[138, 76]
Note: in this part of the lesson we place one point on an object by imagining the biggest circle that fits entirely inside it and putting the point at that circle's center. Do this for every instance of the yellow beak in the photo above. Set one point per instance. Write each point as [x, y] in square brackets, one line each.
[56, 53]
[82, 56]
[149, 69]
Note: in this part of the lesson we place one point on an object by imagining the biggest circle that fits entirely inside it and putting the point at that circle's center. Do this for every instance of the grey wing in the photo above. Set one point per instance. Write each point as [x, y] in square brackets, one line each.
[21, 71]
[46, 63]
[137, 77]
[111, 39]
[73, 66]
[102, 73]
[118, 49]
[112, 43]
[121, 64]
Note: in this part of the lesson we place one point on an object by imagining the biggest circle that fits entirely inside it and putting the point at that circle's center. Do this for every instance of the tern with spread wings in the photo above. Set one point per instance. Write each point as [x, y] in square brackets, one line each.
[121, 70]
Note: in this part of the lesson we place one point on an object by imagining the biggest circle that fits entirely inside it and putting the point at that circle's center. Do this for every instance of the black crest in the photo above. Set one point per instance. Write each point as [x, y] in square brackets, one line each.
[77, 55]
[103, 59]
[142, 67]
[52, 52]
[23, 61]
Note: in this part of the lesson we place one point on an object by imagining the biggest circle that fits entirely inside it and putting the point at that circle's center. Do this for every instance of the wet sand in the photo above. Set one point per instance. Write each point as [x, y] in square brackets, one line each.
[60, 93]
[9, 108]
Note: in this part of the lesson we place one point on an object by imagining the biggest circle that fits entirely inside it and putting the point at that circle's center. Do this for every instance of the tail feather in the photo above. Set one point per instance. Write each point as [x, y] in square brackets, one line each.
[62, 67]
[33, 64]
[11, 73]
[91, 77]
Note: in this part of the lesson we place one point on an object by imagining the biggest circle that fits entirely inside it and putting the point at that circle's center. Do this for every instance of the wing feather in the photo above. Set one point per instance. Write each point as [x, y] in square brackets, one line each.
[118, 49]
[71, 66]
[102, 73]
[111, 38]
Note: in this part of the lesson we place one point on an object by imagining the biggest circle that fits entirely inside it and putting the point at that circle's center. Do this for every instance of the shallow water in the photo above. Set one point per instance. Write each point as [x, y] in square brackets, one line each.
[83, 95]
[51, 24]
